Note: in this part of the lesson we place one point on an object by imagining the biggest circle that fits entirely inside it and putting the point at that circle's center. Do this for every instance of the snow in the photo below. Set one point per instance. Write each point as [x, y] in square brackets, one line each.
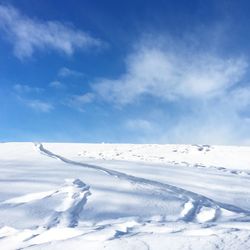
[124, 196]
[206, 214]
[188, 206]
[28, 198]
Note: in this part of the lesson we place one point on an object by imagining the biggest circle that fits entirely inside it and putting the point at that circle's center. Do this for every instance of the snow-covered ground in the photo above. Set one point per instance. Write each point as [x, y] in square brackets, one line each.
[123, 196]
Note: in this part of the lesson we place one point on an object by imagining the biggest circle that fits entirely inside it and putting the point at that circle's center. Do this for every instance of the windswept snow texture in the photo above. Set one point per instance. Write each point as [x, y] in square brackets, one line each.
[111, 196]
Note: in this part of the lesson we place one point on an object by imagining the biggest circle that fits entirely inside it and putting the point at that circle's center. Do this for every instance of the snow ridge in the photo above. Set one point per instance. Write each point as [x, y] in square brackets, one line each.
[67, 214]
[75, 194]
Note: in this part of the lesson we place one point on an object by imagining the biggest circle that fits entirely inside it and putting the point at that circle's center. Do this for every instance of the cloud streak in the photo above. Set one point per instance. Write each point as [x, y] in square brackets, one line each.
[25, 94]
[39, 105]
[28, 35]
[66, 72]
[23, 89]
[162, 74]
[80, 101]
[56, 84]
[139, 124]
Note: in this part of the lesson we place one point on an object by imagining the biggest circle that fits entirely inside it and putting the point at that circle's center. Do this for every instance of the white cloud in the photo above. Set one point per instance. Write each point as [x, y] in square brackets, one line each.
[202, 132]
[79, 101]
[213, 123]
[204, 96]
[28, 35]
[163, 74]
[223, 120]
[21, 91]
[85, 98]
[139, 125]
[56, 84]
[38, 105]
[238, 99]
[23, 88]
[65, 72]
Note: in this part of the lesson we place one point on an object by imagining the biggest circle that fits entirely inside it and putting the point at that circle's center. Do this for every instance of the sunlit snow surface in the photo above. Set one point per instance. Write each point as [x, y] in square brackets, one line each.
[111, 196]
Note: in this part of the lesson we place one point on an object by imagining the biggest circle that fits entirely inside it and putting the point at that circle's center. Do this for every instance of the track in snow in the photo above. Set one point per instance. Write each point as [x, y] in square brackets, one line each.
[196, 208]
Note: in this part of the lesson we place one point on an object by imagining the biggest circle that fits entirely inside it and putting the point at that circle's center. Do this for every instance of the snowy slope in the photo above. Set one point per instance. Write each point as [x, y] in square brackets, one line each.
[122, 196]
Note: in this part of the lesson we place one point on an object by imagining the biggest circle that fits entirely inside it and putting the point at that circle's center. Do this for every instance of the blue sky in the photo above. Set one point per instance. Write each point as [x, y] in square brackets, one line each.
[125, 71]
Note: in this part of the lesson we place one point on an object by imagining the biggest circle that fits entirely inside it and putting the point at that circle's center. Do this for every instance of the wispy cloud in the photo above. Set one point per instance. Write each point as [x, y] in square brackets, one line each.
[36, 104]
[66, 72]
[39, 105]
[204, 96]
[56, 84]
[79, 101]
[23, 88]
[215, 122]
[25, 94]
[139, 125]
[239, 98]
[163, 74]
[27, 34]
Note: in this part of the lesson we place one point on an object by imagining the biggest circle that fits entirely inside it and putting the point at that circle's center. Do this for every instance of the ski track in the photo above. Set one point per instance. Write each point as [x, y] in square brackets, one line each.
[197, 207]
